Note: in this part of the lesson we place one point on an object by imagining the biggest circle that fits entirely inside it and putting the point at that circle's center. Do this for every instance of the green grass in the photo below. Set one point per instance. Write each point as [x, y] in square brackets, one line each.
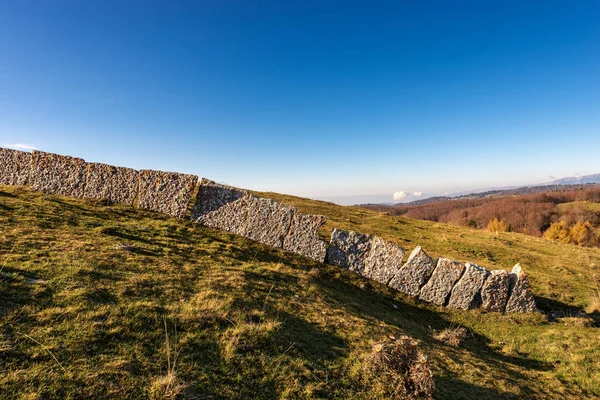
[595, 207]
[82, 317]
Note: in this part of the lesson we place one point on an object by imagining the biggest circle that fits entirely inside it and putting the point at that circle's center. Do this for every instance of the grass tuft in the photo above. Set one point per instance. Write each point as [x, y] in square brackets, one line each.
[453, 336]
[594, 304]
[400, 369]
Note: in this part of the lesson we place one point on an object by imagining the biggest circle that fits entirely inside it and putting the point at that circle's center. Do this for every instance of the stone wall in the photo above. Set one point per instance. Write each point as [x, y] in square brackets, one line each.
[263, 220]
[166, 192]
[443, 281]
[14, 167]
[114, 184]
[56, 174]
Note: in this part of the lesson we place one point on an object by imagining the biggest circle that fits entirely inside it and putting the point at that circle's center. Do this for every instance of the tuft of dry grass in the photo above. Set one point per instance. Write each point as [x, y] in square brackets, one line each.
[453, 336]
[398, 368]
[167, 386]
[594, 304]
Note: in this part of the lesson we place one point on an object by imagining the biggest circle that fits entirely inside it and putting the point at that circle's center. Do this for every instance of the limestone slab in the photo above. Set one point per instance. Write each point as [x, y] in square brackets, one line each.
[521, 298]
[443, 279]
[413, 275]
[165, 192]
[303, 237]
[221, 207]
[14, 167]
[107, 182]
[383, 261]
[466, 293]
[494, 292]
[268, 221]
[55, 174]
[348, 250]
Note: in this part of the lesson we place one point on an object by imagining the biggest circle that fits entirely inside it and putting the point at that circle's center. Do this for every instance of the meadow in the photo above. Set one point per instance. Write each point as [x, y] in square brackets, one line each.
[109, 301]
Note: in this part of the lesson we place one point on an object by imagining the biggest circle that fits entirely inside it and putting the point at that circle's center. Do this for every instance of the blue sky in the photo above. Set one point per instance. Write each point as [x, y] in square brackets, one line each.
[314, 98]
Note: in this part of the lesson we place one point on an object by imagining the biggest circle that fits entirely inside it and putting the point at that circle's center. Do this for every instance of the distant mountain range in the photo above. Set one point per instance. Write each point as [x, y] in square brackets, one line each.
[582, 180]
[555, 185]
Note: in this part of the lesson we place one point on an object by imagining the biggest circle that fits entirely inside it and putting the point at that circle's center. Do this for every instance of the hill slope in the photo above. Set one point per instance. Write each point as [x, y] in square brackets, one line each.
[86, 291]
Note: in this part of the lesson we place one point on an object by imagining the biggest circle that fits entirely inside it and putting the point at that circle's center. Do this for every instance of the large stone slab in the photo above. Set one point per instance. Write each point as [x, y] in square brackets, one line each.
[268, 221]
[303, 237]
[521, 298]
[414, 273]
[443, 279]
[14, 167]
[348, 250]
[166, 192]
[106, 182]
[494, 292]
[383, 261]
[221, 207]
[466, 293]
[56, 174]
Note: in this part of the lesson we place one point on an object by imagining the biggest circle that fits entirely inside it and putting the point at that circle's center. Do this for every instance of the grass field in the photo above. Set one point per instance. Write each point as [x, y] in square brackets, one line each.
[595, 207]
[105, 301]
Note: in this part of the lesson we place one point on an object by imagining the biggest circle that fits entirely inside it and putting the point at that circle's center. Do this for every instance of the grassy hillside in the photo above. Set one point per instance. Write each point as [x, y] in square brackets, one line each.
[595, 207]
[88, 291]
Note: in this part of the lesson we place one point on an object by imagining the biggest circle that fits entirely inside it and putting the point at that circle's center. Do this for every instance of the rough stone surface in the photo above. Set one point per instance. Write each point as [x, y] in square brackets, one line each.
[383, 261]
[494, 292]
[348, 250]
[222, 207]
[166, 192]
[106, 182]
[303, 237]
[414, 273]
[268, 221]
[466, 293]
[14, 167]
[445, 275]
[212, 196]
[521, 299]
[56, 174]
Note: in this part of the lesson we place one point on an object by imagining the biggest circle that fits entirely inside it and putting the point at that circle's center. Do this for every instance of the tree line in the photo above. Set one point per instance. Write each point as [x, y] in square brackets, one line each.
[570, 215]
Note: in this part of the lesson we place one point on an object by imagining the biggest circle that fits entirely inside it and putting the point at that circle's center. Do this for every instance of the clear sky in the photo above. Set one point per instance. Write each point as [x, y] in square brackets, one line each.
[314, 98]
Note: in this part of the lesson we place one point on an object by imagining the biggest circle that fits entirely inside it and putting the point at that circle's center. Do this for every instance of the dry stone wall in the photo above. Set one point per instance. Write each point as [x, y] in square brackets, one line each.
[521, 298]
[262, 220]
[439, 286]
[221, 207]
[14, 167]
[495, 291]
[166, 192]
[106, 182]
[268, 221]
[466, 293]
[383, 261]
[443, 281]
[55, 174]
[415, 273]
[303, 237]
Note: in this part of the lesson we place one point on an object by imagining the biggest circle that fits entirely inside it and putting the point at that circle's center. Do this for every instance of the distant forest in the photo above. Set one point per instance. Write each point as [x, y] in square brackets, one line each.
[570, 215]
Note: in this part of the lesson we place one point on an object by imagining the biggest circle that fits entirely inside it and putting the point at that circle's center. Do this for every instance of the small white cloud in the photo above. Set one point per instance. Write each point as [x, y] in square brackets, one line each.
[19, 146]
[552, 177]
[400, 195]
[417, 194]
